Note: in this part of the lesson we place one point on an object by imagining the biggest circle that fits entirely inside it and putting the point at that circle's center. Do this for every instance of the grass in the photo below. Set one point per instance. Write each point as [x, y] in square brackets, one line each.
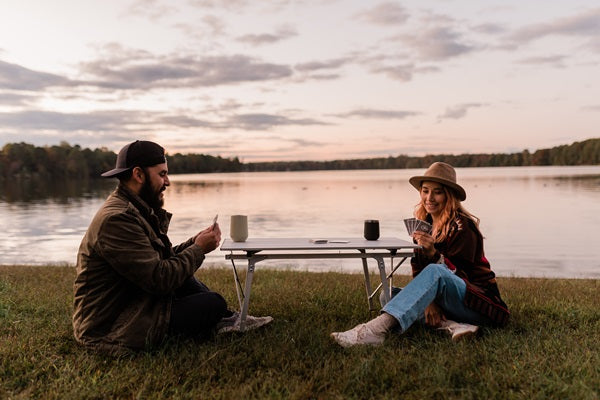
[550, 349]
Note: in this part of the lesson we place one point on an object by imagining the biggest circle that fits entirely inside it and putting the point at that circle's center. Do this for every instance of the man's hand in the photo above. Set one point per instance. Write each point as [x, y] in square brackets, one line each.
[434, 315]
[209, 238]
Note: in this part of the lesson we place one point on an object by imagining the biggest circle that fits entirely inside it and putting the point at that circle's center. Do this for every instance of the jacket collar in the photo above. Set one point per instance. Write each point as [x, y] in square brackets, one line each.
[158, 219]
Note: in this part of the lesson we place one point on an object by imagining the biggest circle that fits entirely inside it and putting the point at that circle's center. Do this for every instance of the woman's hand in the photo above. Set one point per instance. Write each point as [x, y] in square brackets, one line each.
[426, 241]
[434, 315]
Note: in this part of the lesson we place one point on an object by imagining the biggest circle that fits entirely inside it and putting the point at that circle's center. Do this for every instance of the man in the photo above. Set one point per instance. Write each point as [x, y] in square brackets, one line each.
[133, 288]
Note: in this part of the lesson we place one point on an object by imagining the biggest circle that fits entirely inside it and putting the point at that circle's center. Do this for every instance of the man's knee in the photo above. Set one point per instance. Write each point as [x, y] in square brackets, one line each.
[220, 302]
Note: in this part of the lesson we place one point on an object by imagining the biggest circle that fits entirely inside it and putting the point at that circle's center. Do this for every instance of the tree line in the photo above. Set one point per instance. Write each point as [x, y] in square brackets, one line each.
[23, 160]
[578, 153]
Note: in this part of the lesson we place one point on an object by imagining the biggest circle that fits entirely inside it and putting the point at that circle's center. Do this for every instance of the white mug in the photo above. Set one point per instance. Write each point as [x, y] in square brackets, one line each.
[238, 228]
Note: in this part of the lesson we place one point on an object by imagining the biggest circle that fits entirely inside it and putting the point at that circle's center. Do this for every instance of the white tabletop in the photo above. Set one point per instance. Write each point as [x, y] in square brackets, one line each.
[259, 244]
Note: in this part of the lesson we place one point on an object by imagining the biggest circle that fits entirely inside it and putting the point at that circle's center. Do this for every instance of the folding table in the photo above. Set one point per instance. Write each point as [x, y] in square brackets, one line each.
[255, 250]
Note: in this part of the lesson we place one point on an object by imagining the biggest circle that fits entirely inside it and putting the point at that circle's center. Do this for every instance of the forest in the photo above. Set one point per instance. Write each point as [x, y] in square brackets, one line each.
[23, 160]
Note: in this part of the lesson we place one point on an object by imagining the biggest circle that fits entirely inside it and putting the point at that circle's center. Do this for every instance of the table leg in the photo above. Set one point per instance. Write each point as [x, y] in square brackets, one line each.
[391, 276]
[367, 282]
[244, 310]
[238, 285]
[384, 282]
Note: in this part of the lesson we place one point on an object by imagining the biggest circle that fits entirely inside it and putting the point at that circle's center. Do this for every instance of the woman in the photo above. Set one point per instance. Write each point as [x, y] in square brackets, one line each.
[453, 286]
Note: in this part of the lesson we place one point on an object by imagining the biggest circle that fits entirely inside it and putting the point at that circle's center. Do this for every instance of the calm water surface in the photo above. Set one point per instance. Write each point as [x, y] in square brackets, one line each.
[537, 221]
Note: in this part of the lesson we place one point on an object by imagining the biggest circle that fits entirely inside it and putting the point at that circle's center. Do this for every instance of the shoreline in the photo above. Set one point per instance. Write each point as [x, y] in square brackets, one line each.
[297, 269]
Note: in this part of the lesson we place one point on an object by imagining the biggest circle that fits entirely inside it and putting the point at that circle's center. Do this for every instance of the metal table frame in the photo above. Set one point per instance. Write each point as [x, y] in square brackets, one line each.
[260, 249]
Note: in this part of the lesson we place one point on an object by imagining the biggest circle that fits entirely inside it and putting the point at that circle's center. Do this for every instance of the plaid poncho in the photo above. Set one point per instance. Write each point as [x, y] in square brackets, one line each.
[462, 252]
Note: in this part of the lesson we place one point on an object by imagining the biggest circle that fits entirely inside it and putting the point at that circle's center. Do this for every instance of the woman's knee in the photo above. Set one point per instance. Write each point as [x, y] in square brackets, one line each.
[435, 269]
[441, 274]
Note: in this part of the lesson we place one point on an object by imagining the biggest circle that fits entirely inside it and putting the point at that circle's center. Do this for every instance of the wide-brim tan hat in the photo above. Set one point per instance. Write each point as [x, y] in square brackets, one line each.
[443, 173]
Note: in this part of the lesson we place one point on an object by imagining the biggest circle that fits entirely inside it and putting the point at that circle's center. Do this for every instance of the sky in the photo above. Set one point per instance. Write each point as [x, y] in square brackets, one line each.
[301, 79]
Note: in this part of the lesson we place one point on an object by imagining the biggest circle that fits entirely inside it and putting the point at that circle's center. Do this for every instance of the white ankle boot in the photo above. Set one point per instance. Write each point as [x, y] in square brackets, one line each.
[458, 330]
[360, 334]
[373, 332]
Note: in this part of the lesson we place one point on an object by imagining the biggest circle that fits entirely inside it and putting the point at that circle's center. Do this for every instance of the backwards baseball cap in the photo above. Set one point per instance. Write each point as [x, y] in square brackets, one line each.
[140, 153]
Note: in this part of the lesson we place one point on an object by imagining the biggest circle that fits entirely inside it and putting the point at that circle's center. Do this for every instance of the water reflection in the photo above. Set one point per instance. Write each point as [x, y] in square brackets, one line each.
[60, 191]
[529, 216]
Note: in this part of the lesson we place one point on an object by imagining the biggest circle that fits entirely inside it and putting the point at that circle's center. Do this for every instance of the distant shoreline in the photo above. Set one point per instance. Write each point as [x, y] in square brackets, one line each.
[74, 162]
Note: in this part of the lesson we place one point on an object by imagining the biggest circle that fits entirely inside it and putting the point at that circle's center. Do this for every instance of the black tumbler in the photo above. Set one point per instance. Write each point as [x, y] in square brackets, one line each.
[371, 229]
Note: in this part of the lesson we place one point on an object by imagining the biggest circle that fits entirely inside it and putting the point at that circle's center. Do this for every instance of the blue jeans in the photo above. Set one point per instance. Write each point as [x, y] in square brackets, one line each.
[435, 283]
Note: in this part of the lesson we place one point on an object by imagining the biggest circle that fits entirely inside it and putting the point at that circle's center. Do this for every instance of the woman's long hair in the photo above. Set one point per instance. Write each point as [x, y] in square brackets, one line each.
[452, 209]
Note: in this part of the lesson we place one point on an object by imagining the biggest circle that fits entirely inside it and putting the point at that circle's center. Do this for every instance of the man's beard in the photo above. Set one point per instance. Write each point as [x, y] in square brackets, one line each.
[151, 197]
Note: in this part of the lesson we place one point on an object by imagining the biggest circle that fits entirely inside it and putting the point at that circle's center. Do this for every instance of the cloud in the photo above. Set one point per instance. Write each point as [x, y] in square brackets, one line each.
[151, 9]
[184, 121]
[16, 77]
[591, 108]
[320, 70]
[245, 121]
[52, 120]
[184, 146]
[490, 29]
[317, 77]
[206, 31]
[320, 65]
[585, 24]
[85, 139]
[15, 99]
[227, 4]
[259, 121]
[305, 143]
[401, 72]
[378, 114]
[118, 72]
[290, 148]
[421, 48]
[458, 111]
[227, 106]
[215, 24]
[282, 33]
[437, 43]
[142, 121]
[387, 13]
[556, 61]
[239, 5]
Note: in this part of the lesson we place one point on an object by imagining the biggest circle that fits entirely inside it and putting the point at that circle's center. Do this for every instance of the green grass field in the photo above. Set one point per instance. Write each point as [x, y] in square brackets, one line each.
[549, 350]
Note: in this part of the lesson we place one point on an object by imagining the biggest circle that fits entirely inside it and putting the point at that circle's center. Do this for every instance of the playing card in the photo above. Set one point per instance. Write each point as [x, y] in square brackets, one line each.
[413, 224]
[423, 226]
[410, 225]
[406, 225]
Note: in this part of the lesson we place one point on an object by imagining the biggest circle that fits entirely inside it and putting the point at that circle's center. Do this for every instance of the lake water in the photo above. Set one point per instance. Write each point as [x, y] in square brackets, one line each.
[537, 221]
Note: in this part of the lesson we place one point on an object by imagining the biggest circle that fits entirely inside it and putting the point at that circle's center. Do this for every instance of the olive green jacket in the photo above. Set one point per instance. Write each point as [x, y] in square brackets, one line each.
[127, 271]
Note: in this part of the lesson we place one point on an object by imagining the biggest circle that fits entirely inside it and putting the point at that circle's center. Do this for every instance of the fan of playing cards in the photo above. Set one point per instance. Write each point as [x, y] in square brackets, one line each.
[413, 224]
